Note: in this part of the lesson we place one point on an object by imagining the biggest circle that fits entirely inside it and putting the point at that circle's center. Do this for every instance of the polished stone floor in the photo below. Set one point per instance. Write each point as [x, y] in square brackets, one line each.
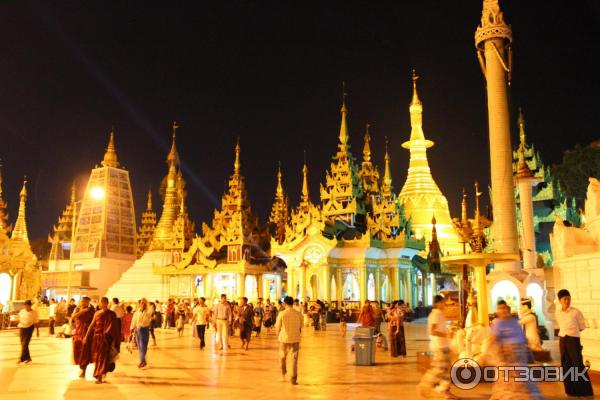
[178, 369]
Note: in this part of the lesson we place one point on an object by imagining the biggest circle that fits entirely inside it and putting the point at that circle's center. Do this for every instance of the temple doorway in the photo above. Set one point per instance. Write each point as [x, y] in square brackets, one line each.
[351, 290]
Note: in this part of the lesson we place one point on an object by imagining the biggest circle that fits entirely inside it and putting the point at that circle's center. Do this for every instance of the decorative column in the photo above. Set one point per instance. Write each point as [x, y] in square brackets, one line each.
[339, 280]
[241, 284]
[362, 283]
[327, 285]
[303, 281]
[526, 180]
[377, 284]
[259, 286]
[492, 40]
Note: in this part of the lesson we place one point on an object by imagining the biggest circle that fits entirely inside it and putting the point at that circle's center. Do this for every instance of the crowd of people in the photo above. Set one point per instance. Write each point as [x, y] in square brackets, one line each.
[98, 328]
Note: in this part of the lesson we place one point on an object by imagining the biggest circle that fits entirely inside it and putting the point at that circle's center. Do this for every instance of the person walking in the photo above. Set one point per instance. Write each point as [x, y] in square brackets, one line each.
[126, 323]
[513, 351]
[51, 316]
[82, 318]
[100, 341]
[140, 324]
[223, 317]
[28, 318]
[245, 321]
[201, 319]
[288, 327]
[570, 323]
[437, 377]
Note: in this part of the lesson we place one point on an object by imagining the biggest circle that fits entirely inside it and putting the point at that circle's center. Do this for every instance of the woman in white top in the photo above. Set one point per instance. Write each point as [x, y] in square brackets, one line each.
[140, 324]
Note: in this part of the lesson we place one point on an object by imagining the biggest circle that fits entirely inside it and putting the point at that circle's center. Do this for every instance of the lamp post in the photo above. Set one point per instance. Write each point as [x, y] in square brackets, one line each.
[72, 248]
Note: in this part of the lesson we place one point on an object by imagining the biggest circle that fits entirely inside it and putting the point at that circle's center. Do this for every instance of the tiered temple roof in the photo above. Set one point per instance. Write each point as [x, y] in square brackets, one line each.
[279, 212]
[63, 230]
[147, 227]
[342, 196]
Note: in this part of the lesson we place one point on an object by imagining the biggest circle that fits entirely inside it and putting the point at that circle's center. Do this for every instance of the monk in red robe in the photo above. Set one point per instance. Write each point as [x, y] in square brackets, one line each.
[82, 318]
[100, 340]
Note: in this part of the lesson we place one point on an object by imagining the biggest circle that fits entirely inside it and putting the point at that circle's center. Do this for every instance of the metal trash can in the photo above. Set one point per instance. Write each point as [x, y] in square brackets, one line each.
[364, 345]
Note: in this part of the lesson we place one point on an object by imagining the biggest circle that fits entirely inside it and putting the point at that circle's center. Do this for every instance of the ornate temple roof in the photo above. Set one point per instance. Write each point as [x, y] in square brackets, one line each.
[279, 211]
[342, 195]
[147, 227]
[63, 230]
[19, 233]
[4, 225]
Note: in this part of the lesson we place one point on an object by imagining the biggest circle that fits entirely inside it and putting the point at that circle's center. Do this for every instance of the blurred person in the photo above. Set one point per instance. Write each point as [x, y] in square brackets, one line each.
[436, 381]
[366, 318]
[51, 316]
[28, 318]
[245, 321]
[223, 316]
[140, 324]
[201, 319]
[119, 312]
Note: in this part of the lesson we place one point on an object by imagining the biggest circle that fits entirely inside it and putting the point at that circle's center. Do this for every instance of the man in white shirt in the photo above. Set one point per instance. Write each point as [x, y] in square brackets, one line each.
[201, 318]
[51, 316]
[223, 317]
[140, 324]
[119, 312]
[288, 327]
[28, 317]
[437, 377]
[571, 323]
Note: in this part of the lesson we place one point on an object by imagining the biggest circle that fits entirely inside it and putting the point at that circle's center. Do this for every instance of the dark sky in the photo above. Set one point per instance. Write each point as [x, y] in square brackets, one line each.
[271, 73]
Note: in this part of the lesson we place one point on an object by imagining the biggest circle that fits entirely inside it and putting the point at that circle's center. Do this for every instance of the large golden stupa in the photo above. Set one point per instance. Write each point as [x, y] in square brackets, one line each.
[421, 197]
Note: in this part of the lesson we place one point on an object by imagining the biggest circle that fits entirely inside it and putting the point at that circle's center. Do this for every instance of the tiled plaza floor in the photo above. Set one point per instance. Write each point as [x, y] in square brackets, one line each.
[178, 369]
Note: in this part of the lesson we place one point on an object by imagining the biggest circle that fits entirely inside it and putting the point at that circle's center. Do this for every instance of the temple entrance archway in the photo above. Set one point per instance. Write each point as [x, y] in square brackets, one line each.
[507, 291]
[385, 290]
[537, 296]
[351, 289]
[251, 287]
[5, 284]
[371, 287]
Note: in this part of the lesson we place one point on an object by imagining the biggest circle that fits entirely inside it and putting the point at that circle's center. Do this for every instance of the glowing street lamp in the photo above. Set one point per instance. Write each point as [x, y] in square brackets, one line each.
[97, 193]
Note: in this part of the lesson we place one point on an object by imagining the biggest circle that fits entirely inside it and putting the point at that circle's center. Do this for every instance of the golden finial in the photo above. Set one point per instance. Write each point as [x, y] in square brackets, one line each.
[23, 193]
[305, 180]
[236, 164]
[415, 99]
[367, 148]
[344, 136]
[279, 192]
[173, 156]
[149, 204]
[387, 176]
[464, 216]
[521, 122]
[110, 156]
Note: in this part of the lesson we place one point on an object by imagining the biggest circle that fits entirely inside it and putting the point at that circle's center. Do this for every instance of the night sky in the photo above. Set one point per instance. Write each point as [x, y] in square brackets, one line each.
[271, 73]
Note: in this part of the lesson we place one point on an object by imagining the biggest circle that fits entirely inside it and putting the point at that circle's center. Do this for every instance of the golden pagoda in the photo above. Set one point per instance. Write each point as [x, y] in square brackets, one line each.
[147, 227]
[19, 270]
[342, 195]
[420, 195]
[279, 211]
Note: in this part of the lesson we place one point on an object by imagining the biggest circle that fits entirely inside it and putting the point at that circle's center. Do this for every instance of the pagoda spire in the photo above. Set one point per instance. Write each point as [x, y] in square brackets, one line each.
[279, 190]
[521, 122]
[344, 135]
[163, 234]
[149, 203]
[236, 163]
[464, 216]
[523, 170]
[110, 156]
[387, 175]
[367, 147]
[19, 233]
[3, 205]
[305, 198]
[416, 115]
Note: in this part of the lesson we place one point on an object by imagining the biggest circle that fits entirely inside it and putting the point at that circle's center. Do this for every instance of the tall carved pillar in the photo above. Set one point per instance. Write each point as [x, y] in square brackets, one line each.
[339, 282]
[241, 284]
[259, 286]
[362, 283]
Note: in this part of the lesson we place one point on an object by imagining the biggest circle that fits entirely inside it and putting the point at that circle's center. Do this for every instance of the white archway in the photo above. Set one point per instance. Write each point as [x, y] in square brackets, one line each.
[536, 293]
[371, 287]
[5, 286]
[385, 289]
[507, 291]
[351, 290]
[251, 287]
